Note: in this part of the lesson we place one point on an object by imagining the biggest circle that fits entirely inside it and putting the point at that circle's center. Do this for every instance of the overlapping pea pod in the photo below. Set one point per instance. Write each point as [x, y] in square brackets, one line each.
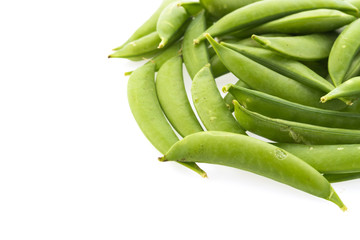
[236, 150]
[260, 12]
[355, 3]
[313, 46]
[350, 88]
[209, 104]
[278, 108]
[307, 22]
[261, 78]
[173, 99]
[354, 69]
[334, 178]
[148, 114]
[343, 52]
[293, 132]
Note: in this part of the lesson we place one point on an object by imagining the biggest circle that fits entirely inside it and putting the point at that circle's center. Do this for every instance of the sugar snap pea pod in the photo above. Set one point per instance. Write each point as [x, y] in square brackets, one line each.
[170, 21]
[209, 104]
[328, 159]
[148, 27]
[306, 22]
[217, 67]
[350, 88]
[170, 52]
[275, 107]
[313, 46]
[355, 3]
[334, 178]
[195, 56]
[285, 66]
[173, 99]
[263, 79]
[354, 69]
[253, 155]
[193, 8]
[229, 98]
[293, 132]
[264, 11]
[147, 112]
[343, 52]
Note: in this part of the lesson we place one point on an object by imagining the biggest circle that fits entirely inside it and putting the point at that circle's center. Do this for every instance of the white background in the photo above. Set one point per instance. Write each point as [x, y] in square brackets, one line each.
[74, 164]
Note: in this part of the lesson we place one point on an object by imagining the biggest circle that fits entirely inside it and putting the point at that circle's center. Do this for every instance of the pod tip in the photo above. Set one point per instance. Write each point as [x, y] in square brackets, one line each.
[344, 208]
[128, 73]
[162, 159]
[204, 175]
[196, 41]
[323, 99]
[162, 43]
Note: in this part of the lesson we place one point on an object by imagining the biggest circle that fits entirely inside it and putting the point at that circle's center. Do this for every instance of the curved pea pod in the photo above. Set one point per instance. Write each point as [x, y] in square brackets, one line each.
[173, 99]
[148, 27]
[170, 21]
[209, 104]
[219, 9]
[263, 79]
[253, 155]
[260, 12]
[343, 52]
[229, 98]
[306, 22]
[168, 53]
[285, 66]
[293, 132]
[350, 88]
[148, 114]
[217, 67]
[354, 69]
[327, 159]
[355, 3]
[313, 46]
[192, 8]
[275, 107]
[334, 178]
[195, 56]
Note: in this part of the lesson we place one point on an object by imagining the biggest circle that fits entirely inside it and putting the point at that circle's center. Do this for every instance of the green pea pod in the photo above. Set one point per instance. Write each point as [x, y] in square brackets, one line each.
[293, 132]
[343, 52]
[313, 46]
[260, 12]
[306, 22]
[173, 99]
[217, 67]
[355, 3]
[350, 88]
[170, 21]
[236, 150]
[263, 79]
[334, 178]
[195, 56]
[148, 114]
[209, 104]
[229, 98]
[148, 27]
[285, 66]
[219, 9]
[328, 159]
[192, 8]
[168, 53]
[275, 107]
[354, 69]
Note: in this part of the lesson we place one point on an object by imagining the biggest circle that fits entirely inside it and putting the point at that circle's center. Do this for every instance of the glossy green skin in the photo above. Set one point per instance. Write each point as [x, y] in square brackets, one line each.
[313, 46]
[195, 56]
[192, 8]
[229, 98]
[173, 99]
[209, 104]
[354, 69]
[263, 79]
[293, 132]
[275, 107]
[355, 3]
[328, 159]
[350, 88]
[170, 52]
[149, 26]
[170, 21]
[343, 52]
[221, 8]
[148, 114]
[307, 22]
[260, 12]
[238, 151]
[285, 66]
[333, 178]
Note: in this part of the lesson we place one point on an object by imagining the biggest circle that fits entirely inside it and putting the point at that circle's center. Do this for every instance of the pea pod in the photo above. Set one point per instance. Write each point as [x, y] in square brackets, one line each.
[195, 56]
[306, 22]
[293, 132]
[343, 52]
[313, 46]
[328, 159]
[275, 107]
[168, 53]
[209, 104]
[229, 98]
[192, 8]
[173, 99]
[354, 69]
[236, 150]
[170, 21]
[260, 12]
[147, 112]
[350, 88]
[261, 78]
[333, 178]
[355, 3]
[217, 67]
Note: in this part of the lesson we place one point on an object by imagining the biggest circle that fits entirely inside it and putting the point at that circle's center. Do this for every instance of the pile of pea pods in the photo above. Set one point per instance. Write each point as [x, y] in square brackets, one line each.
[298, 70]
